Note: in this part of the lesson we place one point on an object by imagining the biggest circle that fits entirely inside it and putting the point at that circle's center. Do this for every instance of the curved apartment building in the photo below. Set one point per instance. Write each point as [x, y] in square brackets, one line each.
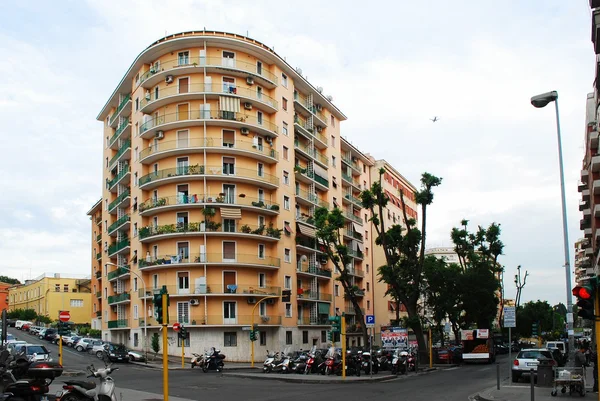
[216, 154]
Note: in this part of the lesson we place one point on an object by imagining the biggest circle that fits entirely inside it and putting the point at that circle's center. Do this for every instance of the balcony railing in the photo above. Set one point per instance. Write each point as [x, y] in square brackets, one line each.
[99, 238]
[208, 171]
[117, 246]
[353, 234]
[356, 272]
[210, 226]
[304, 124]
[321, 180]
[199, 319]
[118, 200]
[99, 256]
[311, 268]
[98, 274]
[118, 324]
[209, 88]
[355, 253]
[216, 62]
[312, 152]
[119, 223]
[118, 132]
[354, 200]
[209, 258]
[313, 295]
[306, 321]
[311, 198]
[99, 294]
[119, 272]
[209, 115]
[124, 147]
[211, 143]
[351, 163]
[353, 217]
[113, 299]
[210, 200]
[306, 218]
[307, 242]
[350, 180]
[216, 289]
[120, 108]
[99, 313]
[124, 171]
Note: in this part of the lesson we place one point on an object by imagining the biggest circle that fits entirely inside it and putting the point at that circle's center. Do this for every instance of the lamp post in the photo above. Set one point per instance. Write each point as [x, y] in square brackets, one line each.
[145, 309]
[540, 101]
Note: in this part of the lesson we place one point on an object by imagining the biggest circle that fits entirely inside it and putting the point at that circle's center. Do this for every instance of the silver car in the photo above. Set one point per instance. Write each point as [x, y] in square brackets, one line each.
[528, 359]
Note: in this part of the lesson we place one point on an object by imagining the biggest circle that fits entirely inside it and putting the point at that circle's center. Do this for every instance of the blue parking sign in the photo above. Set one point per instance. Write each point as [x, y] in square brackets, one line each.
[370, 320]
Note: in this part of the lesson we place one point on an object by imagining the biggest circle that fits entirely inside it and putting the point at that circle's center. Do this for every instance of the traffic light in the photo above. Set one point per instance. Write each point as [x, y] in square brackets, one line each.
[63, 328]
[534, 329]
[254, 333]
[336, 324]
[330, 336]
[158, 305]
[585, 299]
[182, 333]
[286, 295]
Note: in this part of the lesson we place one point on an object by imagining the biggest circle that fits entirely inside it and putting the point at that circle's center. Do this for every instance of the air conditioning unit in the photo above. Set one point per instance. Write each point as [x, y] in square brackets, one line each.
[319, 107]
[265, 319]
[194, 302]
[245, 131]
[319, 128]
[248, 105]
[270, 301]
[251, 300]
[250, 80]
[160, 135]
[169, 79]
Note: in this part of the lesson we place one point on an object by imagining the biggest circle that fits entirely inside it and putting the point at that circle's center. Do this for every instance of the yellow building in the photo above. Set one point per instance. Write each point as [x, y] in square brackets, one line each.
[216, 153]
[49, 294]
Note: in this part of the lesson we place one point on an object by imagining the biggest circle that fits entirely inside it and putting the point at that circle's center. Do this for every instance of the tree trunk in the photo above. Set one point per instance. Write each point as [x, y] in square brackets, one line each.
[411, 308]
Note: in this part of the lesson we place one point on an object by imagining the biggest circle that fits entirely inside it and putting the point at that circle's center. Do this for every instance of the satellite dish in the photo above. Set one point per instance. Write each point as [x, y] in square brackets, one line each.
[303, 258]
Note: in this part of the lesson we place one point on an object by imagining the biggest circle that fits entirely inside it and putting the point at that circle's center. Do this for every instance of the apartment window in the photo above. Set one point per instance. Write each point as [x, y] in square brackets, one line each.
[261, 170]
[284, 103]
[367, 267]
[262, 280]
[368, 304]
[287, 255]
[155, 92]
[105, 229]
[259, 117]
[105, 204]
[107, 162]
[228, 225]
[336, 290]
[136, 153]
[285, 153]
[228, 165]
[263, 338]
[368, 286]
[183, 58]
[105, 296]
[66, 288]
[323, 336]
[155, 281]
[261, 251]
[288, 337]
[333, 161]
[332, 140]
[366, 234]
[287, 282]
[284, 83]
[285, 128]
[288, 310]
[135, 284]
[135, 204]
[366, 251]
[364, 168]
[183, 312]
[304, 336]
[76, 303]
[286, 178]
[262, 309]
[230, 339]
[261, 221]
[286, 202]
[135, 312]
[332, 121]
[137, 103]
[135, 179]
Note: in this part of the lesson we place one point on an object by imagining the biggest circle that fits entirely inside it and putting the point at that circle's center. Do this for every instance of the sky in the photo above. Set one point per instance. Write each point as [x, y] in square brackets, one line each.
[390, 67]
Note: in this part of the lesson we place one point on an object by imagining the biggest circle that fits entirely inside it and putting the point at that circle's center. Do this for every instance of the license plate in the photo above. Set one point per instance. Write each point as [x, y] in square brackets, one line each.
[531, 364]
[44, 398]
[59, 393]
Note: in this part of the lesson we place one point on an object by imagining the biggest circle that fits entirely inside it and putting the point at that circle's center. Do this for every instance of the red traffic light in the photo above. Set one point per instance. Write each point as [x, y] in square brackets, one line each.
[583, 292]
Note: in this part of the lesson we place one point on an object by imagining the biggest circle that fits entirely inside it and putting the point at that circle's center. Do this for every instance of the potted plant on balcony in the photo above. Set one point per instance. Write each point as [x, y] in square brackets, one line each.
[245, 229]
[258, 204]
[275, 208]
[274, 232]
[260, 230]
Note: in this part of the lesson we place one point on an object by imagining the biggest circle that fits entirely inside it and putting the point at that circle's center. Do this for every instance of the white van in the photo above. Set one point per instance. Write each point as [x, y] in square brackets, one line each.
[557, 344]
[20, 324]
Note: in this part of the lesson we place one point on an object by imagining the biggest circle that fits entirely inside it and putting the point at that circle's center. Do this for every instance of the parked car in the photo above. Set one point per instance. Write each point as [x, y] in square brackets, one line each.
[71, 341]
[37, 351]
[12, 346]
[49, 334]
[82, 344]
[19, 324]
[527, 359]
[136, 356]
[97, 349]
[41, 333]
[116, 352]
[26, 327]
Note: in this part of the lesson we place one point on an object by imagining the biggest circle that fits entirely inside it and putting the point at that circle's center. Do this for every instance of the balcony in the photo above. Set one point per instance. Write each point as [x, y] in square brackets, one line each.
[313, 321]
[99, 294]
[153, 206]
[308, 243]
[122, 176]
[199, 319]
[250, 260]
[98, 274]
[355, 168]
[585, 174]
[121, 271]
[99, 313]
[585, 195]
[124, 130]
[172, 94]
[596, 187]
[118, 324]
[595, 165]
[587, 233]
[351, 199]
[312, 153]
[304, 127]
[209, 117]
[99, 238]
[123, 108]
[595, 29]
[219, 65]
[353, 235]
[220, 289]
[309, 108]
[356, 272]
[581, 186]
[306, 219]
[589, 251]
[120, 298]
[351, 216]
[197, 172]
[312, 269]
[308, 295]
[124, 220]
[122, 154]
[310, 199]
[351, 181]
[99, 256]
[164, 149]
[148, 233]
[593, 140]
[119, 247]
[112, 206]
[355, 253]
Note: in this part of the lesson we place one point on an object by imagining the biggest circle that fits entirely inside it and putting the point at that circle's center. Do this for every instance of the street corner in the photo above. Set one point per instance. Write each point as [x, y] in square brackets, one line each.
[513, 393]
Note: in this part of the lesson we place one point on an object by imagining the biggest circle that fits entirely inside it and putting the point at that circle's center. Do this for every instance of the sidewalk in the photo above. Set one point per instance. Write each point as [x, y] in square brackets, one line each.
[175, 364]
[129, 395]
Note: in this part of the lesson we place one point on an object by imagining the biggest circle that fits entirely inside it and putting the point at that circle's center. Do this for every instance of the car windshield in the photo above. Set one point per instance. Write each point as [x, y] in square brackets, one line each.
[119, 347]
[36, 349]
[534, 354]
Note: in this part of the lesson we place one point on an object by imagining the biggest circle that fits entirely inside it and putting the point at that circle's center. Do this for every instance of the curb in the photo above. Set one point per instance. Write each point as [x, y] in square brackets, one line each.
[335, 380]
[171, 367]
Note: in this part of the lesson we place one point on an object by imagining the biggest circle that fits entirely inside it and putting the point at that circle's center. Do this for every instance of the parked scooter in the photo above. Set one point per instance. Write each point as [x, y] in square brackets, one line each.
[315, 359]
[384, 358]
[24, 379]
[213, 360]
[412, 362]
[353, 364]
[269, 363]
[400, 362]
[197, 360]
[367, 361]
[299, 364]
[332, 362]
[80, 390]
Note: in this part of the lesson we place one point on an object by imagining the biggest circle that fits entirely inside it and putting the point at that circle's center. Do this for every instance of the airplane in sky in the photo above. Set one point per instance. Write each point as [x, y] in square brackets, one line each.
[434, 119]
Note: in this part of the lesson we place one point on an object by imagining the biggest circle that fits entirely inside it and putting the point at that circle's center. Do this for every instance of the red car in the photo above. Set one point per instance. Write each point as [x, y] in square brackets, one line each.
[25, 327]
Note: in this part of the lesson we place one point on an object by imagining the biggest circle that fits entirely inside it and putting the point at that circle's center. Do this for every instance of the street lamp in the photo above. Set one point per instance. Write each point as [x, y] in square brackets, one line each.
[145, 309]
[540, 101]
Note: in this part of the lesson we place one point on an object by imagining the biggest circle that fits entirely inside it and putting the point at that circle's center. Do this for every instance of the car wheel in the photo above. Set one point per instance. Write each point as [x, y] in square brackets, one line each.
[132, 359]
[99, 354]
[515, 377]
[204, 369]
[79, 348]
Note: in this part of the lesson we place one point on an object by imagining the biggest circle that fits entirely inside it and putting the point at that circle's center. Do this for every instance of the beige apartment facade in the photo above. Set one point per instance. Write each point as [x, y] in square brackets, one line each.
[216, 154]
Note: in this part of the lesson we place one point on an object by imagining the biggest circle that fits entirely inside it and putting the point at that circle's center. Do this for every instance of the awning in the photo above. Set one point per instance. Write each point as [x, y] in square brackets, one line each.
[335, 203]
[358, 246]
[287, 228]
[333, 180]
[320, 171]
[354, 228]
[323, 308]
[230, 213]
[308, 231]
[227, 103]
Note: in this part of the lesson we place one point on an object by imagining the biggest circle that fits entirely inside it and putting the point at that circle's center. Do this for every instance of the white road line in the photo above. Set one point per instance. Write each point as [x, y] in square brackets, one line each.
[454, 368]
[483, 369]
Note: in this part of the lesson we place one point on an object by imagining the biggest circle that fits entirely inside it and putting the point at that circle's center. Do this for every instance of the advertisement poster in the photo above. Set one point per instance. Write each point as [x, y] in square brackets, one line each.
[394, 337]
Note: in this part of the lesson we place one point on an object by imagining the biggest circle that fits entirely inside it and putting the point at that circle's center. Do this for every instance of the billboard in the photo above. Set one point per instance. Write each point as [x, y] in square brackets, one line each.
[394, 337]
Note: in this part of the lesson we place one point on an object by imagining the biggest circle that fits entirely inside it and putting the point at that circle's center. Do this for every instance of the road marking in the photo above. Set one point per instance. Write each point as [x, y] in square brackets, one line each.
[454, 368]
[483, 369]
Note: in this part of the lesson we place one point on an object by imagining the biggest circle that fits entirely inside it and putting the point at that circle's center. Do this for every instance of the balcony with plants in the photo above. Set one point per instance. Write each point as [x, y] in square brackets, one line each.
[219, 118]
[186, 173]
[262, 152]
[268, 233]
[209, 258]
[154, 205]
[112, 206]
[218, 289]
[121, 222]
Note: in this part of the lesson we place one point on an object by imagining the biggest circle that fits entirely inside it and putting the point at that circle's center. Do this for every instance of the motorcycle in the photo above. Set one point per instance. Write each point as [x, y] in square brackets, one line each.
[353, 364]
[24, 379]
[269, 363]
[315, 359]
[79, 390]
[332, 362]
[213, 361]
[399, 362]
[299, 364]
[412, 362]
[197, 360]
[384, 358]
[369, 363]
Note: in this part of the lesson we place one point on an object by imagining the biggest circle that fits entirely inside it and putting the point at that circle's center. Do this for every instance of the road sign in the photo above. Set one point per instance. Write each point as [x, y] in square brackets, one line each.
[64, 316]
[370, 320]
[447, 327]
[176, 326]
[510, 316]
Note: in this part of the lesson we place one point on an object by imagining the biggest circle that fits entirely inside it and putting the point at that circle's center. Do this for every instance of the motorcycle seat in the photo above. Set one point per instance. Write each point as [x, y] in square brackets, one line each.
[88, 385]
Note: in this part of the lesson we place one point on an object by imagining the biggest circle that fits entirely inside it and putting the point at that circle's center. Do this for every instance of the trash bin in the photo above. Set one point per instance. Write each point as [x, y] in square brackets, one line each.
[545, 372]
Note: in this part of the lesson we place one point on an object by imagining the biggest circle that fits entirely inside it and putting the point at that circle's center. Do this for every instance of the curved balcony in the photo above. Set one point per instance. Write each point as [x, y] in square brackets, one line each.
[219, 289]
[122, 201]
[184, 202]
[122, 224]
[123, 109]
[122, 154]
[172, 94]
[241, 260]
[210, 117]
[151, 233]
[197, 172]
[197, 65]
[122, 176]
[211, 145]
[124, 130]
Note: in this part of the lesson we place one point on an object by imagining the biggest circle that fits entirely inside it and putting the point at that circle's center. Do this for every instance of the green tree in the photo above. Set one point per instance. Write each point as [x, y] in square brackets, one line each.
[478, 257]
[9, 280]
[534, 312]
[23, 314]
[155, 344]
[404, 250]
[329, 226]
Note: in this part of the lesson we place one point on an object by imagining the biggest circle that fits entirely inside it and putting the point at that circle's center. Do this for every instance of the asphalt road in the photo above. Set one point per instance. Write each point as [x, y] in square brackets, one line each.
[453, 384]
